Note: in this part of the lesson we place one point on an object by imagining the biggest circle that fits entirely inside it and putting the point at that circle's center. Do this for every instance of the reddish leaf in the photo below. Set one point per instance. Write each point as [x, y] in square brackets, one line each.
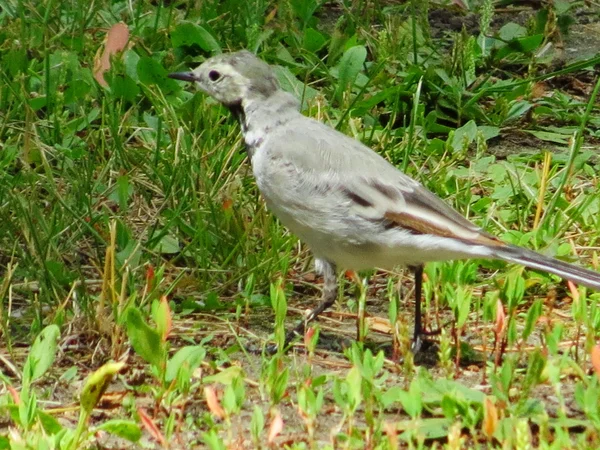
[574, 291]
[227, 204]
[500, 319]
[14, 394]
[115, 42]
[595, 358]
[275, 428]
[149, 276]
[352, 276]
[271, 15]
[213, 402]
[308, 335]
[392, 434]
[490, 418]
[151, 427]
[166, 321]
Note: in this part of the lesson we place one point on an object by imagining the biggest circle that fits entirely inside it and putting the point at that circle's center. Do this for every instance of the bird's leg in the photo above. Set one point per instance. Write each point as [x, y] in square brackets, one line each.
[418, 330]
[330, 289]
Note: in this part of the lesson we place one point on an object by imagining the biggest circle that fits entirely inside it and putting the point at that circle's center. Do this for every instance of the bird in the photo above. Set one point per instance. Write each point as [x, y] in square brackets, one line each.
[353, 208]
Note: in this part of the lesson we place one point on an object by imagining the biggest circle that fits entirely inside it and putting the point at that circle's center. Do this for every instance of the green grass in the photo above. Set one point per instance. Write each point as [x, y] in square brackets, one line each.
[131, 230]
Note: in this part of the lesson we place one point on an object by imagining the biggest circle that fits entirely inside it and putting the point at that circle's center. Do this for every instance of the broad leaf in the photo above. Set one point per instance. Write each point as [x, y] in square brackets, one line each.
[146, 341]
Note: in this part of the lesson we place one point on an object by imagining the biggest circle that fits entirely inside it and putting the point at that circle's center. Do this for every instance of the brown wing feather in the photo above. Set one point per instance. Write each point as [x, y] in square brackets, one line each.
[438, 219]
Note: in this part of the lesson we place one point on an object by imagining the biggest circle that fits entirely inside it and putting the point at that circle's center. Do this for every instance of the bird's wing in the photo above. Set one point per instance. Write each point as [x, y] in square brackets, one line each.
[373, 188]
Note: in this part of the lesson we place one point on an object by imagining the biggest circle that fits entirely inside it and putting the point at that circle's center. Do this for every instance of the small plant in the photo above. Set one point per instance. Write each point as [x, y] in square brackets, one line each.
[151, 343]
[36, 428]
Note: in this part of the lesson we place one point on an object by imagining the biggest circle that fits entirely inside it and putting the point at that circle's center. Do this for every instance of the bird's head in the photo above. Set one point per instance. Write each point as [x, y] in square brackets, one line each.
[233, 77]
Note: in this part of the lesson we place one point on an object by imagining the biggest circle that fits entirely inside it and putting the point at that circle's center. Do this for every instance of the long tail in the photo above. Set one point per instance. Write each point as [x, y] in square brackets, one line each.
[536, 261]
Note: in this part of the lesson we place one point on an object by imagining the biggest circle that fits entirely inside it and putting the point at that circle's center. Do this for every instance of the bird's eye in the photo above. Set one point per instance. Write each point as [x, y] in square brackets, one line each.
[213, 75]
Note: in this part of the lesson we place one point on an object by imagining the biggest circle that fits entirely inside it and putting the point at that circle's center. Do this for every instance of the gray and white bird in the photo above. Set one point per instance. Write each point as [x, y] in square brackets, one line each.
[353, 208]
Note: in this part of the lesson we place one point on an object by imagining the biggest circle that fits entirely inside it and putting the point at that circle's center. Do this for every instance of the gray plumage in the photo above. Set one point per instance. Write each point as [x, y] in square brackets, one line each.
[353, 208]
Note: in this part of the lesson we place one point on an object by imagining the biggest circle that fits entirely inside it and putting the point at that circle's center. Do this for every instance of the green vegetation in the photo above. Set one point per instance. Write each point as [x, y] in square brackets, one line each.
[131, 230]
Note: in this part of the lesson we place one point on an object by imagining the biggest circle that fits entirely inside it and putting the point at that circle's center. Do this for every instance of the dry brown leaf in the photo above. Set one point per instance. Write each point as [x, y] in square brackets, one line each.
[380, 325]
[115, 42]
[539, 90]
[112, 400]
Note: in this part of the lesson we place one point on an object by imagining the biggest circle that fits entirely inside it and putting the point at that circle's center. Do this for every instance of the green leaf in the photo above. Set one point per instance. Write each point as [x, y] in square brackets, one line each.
[279, 304]
[125, 429]
[146, 341]
[411, 401]
[131, 60]
[290, 83]
[349, 67]
[518, 109]
[132, 252]
[192, 355]
[188, 34]
[534, 313]
[434, 391]
[60, 272]
[535, 367]
[519, 46]
[96, 384]
[528, 44]
[168, 245]
[430, 428]
[353, 383]
[15, 60]
[150, 72]
[42, 354]
[49, 422]
[225, 377]
[511, 31]
[313, 40]
[548, 136]
[464, 136]
[123, 87]
[257, 424]
[162, 316]
[488, 132]
[124, 191]
[213, 440]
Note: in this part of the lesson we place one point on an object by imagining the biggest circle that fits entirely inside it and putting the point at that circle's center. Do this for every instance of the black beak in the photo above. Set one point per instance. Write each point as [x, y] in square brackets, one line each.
[183, 76]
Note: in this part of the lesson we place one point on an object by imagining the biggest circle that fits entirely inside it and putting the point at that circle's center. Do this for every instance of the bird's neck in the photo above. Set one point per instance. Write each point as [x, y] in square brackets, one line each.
[260, 116]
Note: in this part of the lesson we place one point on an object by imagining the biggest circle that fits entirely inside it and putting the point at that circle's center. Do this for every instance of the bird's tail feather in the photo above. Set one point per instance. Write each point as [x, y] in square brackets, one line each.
[536, 261]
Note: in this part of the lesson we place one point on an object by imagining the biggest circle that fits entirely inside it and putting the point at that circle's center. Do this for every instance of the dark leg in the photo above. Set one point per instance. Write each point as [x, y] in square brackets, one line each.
[418, 330]
[330, 289]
